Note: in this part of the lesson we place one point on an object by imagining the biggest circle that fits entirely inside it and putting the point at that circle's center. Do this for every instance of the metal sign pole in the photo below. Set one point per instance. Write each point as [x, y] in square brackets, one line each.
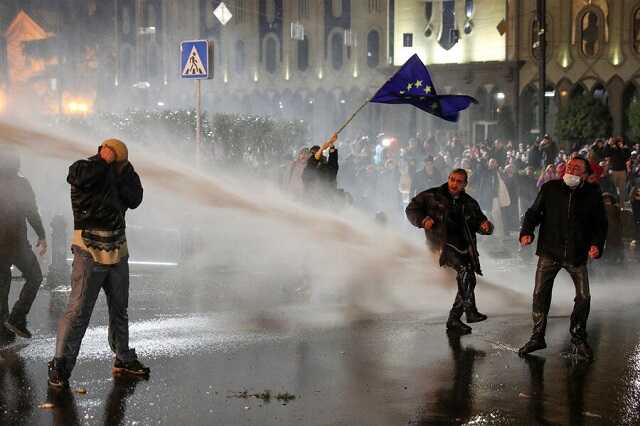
[198, 131]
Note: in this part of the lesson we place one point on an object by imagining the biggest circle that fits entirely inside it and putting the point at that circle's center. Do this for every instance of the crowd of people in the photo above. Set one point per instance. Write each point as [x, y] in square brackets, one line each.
[382, 175]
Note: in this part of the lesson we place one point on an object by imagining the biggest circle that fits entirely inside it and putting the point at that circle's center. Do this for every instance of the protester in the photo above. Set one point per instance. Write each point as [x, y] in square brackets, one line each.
[103, 188]
[451, 218]
[18, 207]
[573, 228]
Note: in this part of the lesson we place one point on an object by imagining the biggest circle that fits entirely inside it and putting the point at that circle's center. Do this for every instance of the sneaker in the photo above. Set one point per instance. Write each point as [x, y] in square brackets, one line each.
[581, 350]
[532, 345]
[457, 326]
[134, 367]
[58, 378]
[475, 316]
[18, 327]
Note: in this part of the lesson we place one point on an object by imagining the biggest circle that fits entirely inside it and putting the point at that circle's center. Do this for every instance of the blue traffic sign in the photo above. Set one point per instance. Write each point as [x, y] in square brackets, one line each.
[194, 59]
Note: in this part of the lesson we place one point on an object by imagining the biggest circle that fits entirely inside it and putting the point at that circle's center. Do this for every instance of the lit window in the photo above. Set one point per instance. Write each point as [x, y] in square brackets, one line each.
[373, 49]
[590, 34]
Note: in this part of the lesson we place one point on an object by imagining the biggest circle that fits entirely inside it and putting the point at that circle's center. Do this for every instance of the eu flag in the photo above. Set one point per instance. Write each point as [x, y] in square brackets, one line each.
[412, 85]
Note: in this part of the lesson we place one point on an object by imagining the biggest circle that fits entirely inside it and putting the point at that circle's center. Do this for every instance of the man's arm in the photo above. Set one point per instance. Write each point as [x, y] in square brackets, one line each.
[86, 174]
[533, 216]
[599, 225]
[32, 213]
[129, 187]
[417, 210]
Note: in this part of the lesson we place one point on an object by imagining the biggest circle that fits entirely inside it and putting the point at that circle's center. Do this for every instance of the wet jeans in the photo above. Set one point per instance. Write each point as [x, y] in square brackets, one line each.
[25, 260]
[466, 278]
[87, 278]
[546, 273]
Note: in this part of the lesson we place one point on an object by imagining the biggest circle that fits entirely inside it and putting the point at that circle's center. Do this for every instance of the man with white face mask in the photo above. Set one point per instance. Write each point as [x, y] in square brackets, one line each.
[573, 228]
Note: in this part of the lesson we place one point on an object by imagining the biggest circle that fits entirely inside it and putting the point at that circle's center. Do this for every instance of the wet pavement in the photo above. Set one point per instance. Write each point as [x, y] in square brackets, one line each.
[392, 369]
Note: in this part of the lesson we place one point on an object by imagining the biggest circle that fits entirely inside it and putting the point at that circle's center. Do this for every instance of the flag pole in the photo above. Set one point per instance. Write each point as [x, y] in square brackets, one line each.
[352, 116]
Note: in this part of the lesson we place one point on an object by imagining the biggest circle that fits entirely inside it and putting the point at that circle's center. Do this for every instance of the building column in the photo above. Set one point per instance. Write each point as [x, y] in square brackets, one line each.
[615, 92]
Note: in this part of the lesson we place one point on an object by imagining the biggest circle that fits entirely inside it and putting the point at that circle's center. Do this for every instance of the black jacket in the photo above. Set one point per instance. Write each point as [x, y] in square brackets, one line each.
[17, 207]
[617, 157]
[435, 203]
[321, 174]
[100, 195]
[571, 221]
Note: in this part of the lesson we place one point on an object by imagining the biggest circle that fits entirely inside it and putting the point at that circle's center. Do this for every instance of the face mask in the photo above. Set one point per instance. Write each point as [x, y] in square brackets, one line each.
[571, 180]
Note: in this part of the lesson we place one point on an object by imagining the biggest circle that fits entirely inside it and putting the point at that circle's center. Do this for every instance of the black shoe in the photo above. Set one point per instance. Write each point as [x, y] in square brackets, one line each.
[7, 336]
[581, 350]
[134, 367]
[457, 326]
[58, 377]
[475, 316]
[18, 327]
[532, 345]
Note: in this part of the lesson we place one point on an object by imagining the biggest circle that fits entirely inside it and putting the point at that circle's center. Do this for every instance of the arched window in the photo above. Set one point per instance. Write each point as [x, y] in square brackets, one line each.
[590, 34]
[152, 60]
[337, 50]
[599, 92]
[126, 20]
[271, 53]
[303, 54]
[373, 48]
[271, 11]
[241, 59]
[336, 8]
[127, 64]
[151, 16]
[636, 30]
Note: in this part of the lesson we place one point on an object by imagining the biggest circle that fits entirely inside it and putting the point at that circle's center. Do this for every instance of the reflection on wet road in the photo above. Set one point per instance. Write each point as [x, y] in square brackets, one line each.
[374, 370]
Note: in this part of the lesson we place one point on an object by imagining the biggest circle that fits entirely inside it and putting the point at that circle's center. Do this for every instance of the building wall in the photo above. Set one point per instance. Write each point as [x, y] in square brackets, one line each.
[610, 70]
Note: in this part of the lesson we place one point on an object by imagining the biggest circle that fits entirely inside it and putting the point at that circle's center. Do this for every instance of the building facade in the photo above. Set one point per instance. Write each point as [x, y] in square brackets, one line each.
[318, 60]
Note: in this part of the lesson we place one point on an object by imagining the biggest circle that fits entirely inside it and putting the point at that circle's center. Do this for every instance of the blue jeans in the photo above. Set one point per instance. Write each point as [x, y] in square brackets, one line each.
[87, 278]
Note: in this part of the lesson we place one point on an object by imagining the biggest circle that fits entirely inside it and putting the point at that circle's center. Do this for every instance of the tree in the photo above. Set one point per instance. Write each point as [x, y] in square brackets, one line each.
[634, 119]
[584, 119]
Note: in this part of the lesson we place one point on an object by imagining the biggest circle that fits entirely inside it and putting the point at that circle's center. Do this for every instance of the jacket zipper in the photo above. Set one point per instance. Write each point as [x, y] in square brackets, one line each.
[566, 241]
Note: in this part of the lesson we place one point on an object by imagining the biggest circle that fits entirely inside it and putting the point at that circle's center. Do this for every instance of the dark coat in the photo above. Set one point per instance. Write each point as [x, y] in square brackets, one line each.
[571, 221]
[17, 207]
[436, 203]
[100, 196]
[321, 174]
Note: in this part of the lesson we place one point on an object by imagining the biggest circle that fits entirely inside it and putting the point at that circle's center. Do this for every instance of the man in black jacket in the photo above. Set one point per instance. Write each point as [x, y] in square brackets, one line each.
[618, 155]
[17, 207]
[573, 228]
[320, 175]
[451, 218]
[102, 189]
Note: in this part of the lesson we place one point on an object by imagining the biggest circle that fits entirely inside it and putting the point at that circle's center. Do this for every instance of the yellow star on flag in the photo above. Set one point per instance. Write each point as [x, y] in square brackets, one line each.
[418, 83]
[402, 92]
[409, 86]
[427, 89]
[434, 105]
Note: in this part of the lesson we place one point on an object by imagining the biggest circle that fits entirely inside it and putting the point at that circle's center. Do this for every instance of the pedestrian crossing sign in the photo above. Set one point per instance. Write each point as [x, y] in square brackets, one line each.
[194, 59]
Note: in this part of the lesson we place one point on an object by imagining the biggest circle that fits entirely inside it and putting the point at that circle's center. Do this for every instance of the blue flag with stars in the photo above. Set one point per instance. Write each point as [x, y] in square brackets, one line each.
[412, 85]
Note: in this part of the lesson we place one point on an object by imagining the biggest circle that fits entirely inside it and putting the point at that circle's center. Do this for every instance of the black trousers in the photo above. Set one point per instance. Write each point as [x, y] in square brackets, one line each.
[546, 273]
[25, 260]
[466, 279]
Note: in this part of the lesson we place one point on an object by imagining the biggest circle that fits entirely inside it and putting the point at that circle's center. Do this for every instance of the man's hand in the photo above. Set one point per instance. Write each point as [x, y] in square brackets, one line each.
[525, 240]
[333, 139]
[428, 223]
[594, 252]
[485, 226]
[107, 154]
[42, 246]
